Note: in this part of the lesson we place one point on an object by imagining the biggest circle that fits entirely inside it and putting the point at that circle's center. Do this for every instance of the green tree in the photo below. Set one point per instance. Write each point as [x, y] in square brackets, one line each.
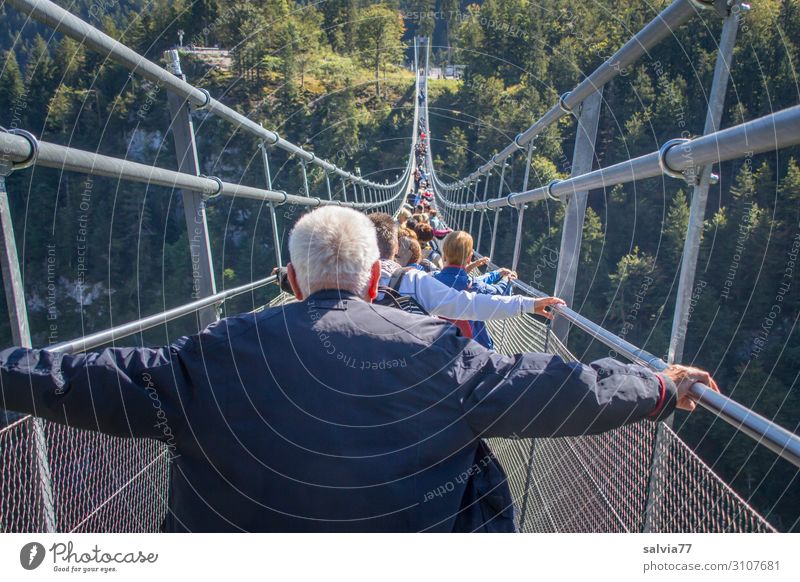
[306, 35]
[60, 109]
[203, 13]
[468, 34]
[39, 74]
[627, 281]
[69, 60]
[339, 18]
[379, 39]
[789, 199]
[675, 231]
[12, 90]
[456, 143]
[450, 12]
[503, 22]
[340, 122]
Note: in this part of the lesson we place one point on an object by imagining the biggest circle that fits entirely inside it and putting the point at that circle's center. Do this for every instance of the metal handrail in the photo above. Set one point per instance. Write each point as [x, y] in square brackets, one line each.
[17, 148]
[67, 23]
[94, 340]
[773, 131]
[662, 26]
[767, 433]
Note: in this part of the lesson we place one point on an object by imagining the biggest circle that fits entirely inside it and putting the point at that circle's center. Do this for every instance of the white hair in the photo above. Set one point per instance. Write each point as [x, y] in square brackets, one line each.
[333, 248]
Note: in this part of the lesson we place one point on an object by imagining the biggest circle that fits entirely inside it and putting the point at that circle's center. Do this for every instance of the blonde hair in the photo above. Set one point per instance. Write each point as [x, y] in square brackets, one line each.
[403, 215]
[457, 248]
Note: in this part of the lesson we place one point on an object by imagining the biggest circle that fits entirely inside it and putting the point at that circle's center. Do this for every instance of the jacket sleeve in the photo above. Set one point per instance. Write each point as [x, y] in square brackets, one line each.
[485, 288]
[489, 278]
[134, 392]
[439, 299]
[540, 395]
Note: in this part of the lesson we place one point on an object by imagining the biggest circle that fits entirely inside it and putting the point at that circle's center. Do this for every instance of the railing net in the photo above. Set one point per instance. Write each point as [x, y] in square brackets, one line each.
[99, 483]
[603, 483]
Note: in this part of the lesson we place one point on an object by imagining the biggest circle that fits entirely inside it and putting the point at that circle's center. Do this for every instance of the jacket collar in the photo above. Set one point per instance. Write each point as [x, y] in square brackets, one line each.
[455, 269]
[332, 294]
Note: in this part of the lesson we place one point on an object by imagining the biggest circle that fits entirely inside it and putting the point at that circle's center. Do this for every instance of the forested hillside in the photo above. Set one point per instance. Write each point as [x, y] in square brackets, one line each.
[94, 249]
[334, 75]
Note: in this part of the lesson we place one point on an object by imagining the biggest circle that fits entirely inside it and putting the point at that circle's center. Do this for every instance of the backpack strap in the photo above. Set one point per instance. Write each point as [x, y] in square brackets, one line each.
[392, 296]
[397, 278]
[434, 255]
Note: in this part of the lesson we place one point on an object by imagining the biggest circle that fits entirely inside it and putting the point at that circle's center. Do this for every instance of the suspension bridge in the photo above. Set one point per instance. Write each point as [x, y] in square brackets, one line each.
[642, 477]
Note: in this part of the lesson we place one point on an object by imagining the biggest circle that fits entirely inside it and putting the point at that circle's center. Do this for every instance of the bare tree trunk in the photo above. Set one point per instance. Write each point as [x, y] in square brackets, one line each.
[377, 69]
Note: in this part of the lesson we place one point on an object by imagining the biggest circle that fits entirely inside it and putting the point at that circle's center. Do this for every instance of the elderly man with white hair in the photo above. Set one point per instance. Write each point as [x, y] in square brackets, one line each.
[332, 413]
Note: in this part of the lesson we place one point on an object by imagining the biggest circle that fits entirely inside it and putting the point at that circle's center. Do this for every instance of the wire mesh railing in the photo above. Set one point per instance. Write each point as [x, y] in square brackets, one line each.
[604, 483]
[98, 482]
[22, 507]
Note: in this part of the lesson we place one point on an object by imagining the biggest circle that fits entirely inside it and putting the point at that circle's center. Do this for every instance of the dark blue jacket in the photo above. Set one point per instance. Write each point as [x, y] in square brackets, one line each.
[489, 284]
[331, 414]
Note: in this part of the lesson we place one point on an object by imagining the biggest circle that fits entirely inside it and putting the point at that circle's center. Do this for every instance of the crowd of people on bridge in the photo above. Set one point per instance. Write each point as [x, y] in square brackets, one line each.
[447, 255]
[422, 195]
[420, 232]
